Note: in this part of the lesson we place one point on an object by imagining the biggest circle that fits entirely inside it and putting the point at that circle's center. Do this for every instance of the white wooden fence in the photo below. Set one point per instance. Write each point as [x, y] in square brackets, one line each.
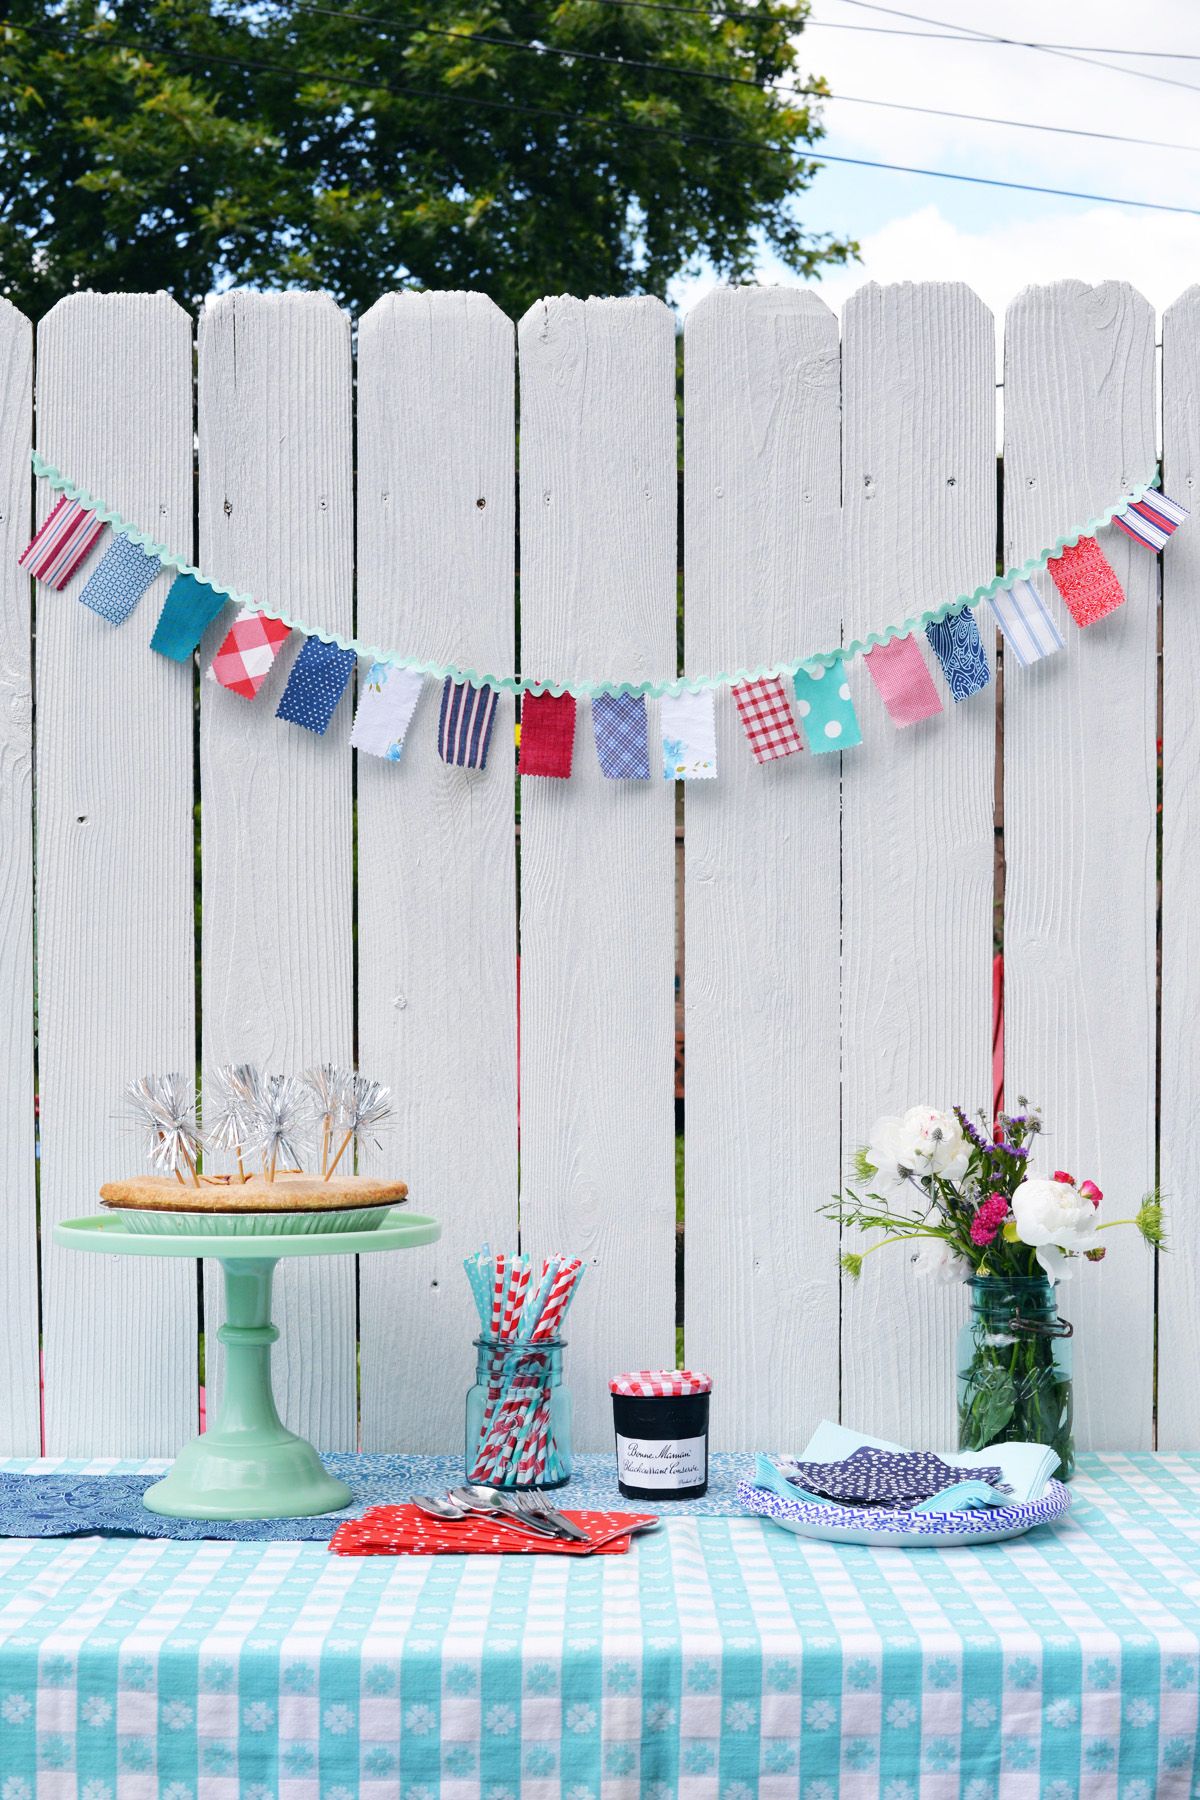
[839, 919]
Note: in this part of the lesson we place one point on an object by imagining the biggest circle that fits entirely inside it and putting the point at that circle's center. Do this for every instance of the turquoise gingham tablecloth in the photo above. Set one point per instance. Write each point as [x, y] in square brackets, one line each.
[722, 1660]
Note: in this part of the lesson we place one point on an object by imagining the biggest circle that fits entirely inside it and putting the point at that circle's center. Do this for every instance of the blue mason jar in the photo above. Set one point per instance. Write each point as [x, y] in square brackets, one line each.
[518, 1416]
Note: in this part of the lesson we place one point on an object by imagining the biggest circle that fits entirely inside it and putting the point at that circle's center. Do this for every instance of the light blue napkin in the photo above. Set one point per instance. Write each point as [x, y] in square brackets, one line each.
[1026, 1469]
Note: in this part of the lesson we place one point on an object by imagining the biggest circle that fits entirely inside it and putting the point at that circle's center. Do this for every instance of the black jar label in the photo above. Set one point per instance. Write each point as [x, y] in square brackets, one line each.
[661, 1463]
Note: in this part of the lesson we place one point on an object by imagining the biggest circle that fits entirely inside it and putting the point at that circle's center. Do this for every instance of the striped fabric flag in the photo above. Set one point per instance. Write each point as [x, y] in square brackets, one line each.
[826, 709]
[62, 544]
[1151, 520]
[1029, 631]
[465, 724]
[386, 703]
[766, 716]
[316, 682]
[188, 610]
[689, 736]
[247, 652]
[547, 735]
[1087, 581]
[622, 736]
[114, 588]
[905, 685]
[956, 643]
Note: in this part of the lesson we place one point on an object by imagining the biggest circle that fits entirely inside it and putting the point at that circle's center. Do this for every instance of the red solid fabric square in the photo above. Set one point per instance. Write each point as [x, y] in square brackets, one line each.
[547, 734]
[1087, 582]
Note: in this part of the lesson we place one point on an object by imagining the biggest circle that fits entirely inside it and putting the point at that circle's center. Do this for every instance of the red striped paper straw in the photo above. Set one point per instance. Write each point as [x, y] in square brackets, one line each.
[556, 1301]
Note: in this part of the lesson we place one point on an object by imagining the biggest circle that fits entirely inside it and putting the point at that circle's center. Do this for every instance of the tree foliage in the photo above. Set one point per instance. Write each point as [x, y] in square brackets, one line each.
[186, 145]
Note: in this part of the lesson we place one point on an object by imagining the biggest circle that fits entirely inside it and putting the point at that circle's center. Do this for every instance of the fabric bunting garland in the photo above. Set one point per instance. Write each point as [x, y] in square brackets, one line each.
[63, 544]
[689, 736]
[622, 736]
[1028, 629]
[956, 643]
[386, 704]
[547, 735]
[244, 659]
[826, 709]
[188, 610]
[819, 697]
[905, 684]
[1087, 582]
[465, 724]
[115, 587]
[316, 684]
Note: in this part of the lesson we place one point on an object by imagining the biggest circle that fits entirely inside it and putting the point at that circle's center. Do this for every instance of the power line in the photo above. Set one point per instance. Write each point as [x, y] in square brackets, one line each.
[569, 53]
[962, 35]
[624, 127]
[993, 37]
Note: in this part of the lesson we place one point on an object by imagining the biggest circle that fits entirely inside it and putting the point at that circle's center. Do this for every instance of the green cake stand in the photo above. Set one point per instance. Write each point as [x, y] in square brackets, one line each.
[248, 1465]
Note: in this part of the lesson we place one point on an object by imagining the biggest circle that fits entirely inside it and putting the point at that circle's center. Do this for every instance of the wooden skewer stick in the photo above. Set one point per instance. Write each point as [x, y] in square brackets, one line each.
[337, 1159]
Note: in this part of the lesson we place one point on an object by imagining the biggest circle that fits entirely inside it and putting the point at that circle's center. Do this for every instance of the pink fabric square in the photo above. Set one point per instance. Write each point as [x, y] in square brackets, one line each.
[905, 685]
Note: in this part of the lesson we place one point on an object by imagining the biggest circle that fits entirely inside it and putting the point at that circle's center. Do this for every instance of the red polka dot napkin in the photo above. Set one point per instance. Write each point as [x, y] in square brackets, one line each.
[403, 1531]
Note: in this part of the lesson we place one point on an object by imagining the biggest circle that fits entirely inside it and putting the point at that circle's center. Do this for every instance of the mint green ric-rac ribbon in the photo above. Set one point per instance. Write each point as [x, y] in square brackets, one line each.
[583, 690]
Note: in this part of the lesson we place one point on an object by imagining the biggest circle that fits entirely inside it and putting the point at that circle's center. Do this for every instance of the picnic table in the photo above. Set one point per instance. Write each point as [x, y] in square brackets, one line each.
[722, 1659]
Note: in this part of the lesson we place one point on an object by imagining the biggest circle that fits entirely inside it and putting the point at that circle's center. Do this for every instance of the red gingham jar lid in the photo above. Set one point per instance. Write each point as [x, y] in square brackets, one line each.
[661, 1383]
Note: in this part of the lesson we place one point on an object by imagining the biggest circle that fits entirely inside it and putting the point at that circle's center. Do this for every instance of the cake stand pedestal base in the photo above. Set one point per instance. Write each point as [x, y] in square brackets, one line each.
[248, 1465]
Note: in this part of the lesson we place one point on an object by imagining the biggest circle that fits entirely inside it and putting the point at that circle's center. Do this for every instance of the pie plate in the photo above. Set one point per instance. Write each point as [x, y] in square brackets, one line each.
[882, 1528]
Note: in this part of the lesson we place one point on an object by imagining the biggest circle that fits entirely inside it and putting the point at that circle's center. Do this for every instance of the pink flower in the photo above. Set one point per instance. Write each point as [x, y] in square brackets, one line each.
[1061, 1175]
[989, 1219]
[1091, 1192]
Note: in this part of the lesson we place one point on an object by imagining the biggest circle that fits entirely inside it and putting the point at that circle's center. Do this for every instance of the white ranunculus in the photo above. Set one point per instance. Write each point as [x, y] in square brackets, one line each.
[1054, 1218]
[939, 1260]
[922, 1142]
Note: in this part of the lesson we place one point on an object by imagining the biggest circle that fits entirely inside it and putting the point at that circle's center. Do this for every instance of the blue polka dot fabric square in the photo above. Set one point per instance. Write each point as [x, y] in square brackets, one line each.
[115, 587]
[316, 684]
[826, 709]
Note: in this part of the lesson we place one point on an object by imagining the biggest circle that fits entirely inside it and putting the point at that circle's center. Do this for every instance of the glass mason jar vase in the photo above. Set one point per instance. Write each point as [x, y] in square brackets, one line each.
[1014, 1368]
[518, 1416]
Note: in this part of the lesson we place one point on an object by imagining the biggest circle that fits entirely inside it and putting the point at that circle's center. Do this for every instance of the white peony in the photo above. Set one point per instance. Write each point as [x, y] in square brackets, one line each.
[922, 1142]
[940, 1260]
[1054, 1218]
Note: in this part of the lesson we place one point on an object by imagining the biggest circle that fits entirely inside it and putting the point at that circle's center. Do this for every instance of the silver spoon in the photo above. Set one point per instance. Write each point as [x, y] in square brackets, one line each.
[435, 1508]
[496, 1506]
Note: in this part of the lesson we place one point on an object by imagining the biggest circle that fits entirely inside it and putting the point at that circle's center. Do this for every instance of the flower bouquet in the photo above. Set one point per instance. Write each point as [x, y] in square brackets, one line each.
[974, 1208]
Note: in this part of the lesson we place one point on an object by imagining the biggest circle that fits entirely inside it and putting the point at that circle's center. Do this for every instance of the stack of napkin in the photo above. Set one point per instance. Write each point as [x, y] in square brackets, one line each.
[404, 1531]
[846, 1468]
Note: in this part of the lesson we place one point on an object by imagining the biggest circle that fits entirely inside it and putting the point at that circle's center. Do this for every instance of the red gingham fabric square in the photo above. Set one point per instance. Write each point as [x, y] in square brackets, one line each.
[1087, 581]
[767, 720]
[247, 652]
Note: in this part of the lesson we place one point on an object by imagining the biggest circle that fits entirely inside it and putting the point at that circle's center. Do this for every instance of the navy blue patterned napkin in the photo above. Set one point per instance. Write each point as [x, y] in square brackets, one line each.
[897, 1478]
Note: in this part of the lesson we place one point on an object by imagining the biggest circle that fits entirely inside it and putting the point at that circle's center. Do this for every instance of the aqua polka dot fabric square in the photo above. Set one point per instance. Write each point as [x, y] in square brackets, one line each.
[316, 684]
[826, 709]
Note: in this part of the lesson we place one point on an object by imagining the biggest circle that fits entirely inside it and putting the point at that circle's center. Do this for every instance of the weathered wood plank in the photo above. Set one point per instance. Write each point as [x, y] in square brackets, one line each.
[277, 521]
[598, 502]
[1178, 1276]
[115, 911]
[20, 1421]
[1079, 729]
[762, 583]
[437, 930]
[918, 479]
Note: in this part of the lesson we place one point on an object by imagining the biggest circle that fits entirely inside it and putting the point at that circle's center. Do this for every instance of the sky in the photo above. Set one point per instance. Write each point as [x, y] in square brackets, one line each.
[913, 227]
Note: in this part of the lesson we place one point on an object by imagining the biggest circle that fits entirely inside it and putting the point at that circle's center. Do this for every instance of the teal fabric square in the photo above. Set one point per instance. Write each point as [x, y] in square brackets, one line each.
[188, 610]
[826, 709]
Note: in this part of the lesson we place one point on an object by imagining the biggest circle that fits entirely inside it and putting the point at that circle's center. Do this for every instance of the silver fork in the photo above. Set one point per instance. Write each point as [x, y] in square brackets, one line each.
[536, 1506]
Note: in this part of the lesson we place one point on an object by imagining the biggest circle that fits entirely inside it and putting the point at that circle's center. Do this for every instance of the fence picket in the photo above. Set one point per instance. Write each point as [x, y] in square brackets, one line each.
[436, 857]
[762, 583]
[918, 482]
[277, 519]
[20, 1422]
[598, 503]
[1079, 772]
[1178, 1272]
[116, 950]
